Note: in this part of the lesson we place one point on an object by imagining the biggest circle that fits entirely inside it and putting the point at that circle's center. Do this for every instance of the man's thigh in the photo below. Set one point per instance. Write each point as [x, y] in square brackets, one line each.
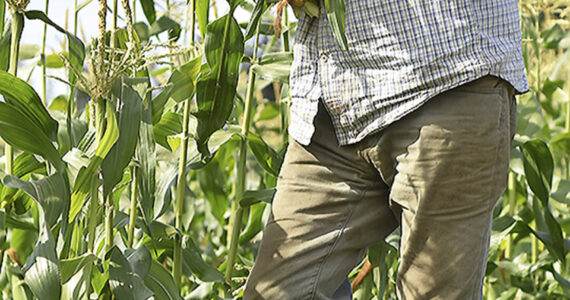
[329, 206]
[446, 165]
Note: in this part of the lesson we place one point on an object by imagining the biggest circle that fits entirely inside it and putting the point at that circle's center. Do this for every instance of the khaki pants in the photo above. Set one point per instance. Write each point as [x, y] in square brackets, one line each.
[437, 173]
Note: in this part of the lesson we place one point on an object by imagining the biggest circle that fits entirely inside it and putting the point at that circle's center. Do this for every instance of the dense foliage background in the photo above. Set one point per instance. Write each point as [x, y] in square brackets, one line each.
[153, 173]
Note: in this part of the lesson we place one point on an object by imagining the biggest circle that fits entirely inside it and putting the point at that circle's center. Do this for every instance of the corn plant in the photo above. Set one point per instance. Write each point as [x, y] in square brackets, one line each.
[159, 184]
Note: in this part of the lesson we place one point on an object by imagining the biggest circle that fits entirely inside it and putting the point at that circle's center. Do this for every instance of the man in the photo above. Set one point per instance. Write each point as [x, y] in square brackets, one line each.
[411, 127]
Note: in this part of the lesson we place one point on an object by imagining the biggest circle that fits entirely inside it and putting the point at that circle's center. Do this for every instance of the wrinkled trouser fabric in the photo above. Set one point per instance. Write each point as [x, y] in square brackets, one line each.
[437, 173]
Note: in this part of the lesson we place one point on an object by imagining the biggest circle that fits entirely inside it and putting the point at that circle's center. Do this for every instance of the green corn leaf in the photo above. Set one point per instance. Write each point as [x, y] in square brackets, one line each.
[21, 132]
[154, 275]
[129, 118]
[5, 48]
[538, 167]
[15, 281]
[26, 163]
[76, 48]
[163, 24]
[335, 14]
[124, 282]
[254, 223]
[146, 171]
[258, 11]
[202, 13]
[170, 124]
[142, 30]
[192, 256]
[212, 180]
[274, 66]
[69, 267]
[161, 283]
[22, 96]
[41, 270]
[181, 84]
[508, 224]
[50, 192]
[149, 11]
[54, 61]
[216, 89]
[140, 260]
[83, 182]
[18, 222]
[267, 158]
[253, 197]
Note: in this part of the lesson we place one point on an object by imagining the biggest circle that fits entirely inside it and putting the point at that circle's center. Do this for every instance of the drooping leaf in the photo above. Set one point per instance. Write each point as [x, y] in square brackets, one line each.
[267, 158]
[124, 282]
[161, 283]
[253, 197]
[170, 124]
[335, 14]
[212, 180]
[192, 259]
[26, 163]
[50, 192]
[21, 132]
[274, 66]
[149, 11]
[258, 11]
[142, 30]
[83, 182]
[254, 223]
[216, 89]
[202, 13]
[22, 96]
[181, 84]
[163, 24]
[70, 267]
[5, 47]
[129, 118]
[539, 167]
[41, 270]
[146, 172]
[76, 48]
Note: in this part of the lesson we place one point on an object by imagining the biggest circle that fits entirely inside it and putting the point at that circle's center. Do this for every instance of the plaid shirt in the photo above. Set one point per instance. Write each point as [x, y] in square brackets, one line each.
[401, 54]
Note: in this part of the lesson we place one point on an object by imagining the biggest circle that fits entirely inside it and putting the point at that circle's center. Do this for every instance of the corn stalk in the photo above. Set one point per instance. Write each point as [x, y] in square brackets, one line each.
[181, 184]
[236, 209]
[17, 27]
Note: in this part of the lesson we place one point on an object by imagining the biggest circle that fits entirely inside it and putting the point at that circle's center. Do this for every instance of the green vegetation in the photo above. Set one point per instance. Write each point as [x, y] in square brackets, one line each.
[160, 184]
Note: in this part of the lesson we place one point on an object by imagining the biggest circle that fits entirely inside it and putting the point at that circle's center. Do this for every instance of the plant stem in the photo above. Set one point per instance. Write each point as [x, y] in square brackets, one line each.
[237, 210]
[192, 21]
[512, 200]
[110, 208]
[133, 211]
[534, 240]
[180, 189]
[534, 244]
[2, 16]
[92, 213]
[17, 27]
[284, 106]
[43, 56]
[181, 184]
